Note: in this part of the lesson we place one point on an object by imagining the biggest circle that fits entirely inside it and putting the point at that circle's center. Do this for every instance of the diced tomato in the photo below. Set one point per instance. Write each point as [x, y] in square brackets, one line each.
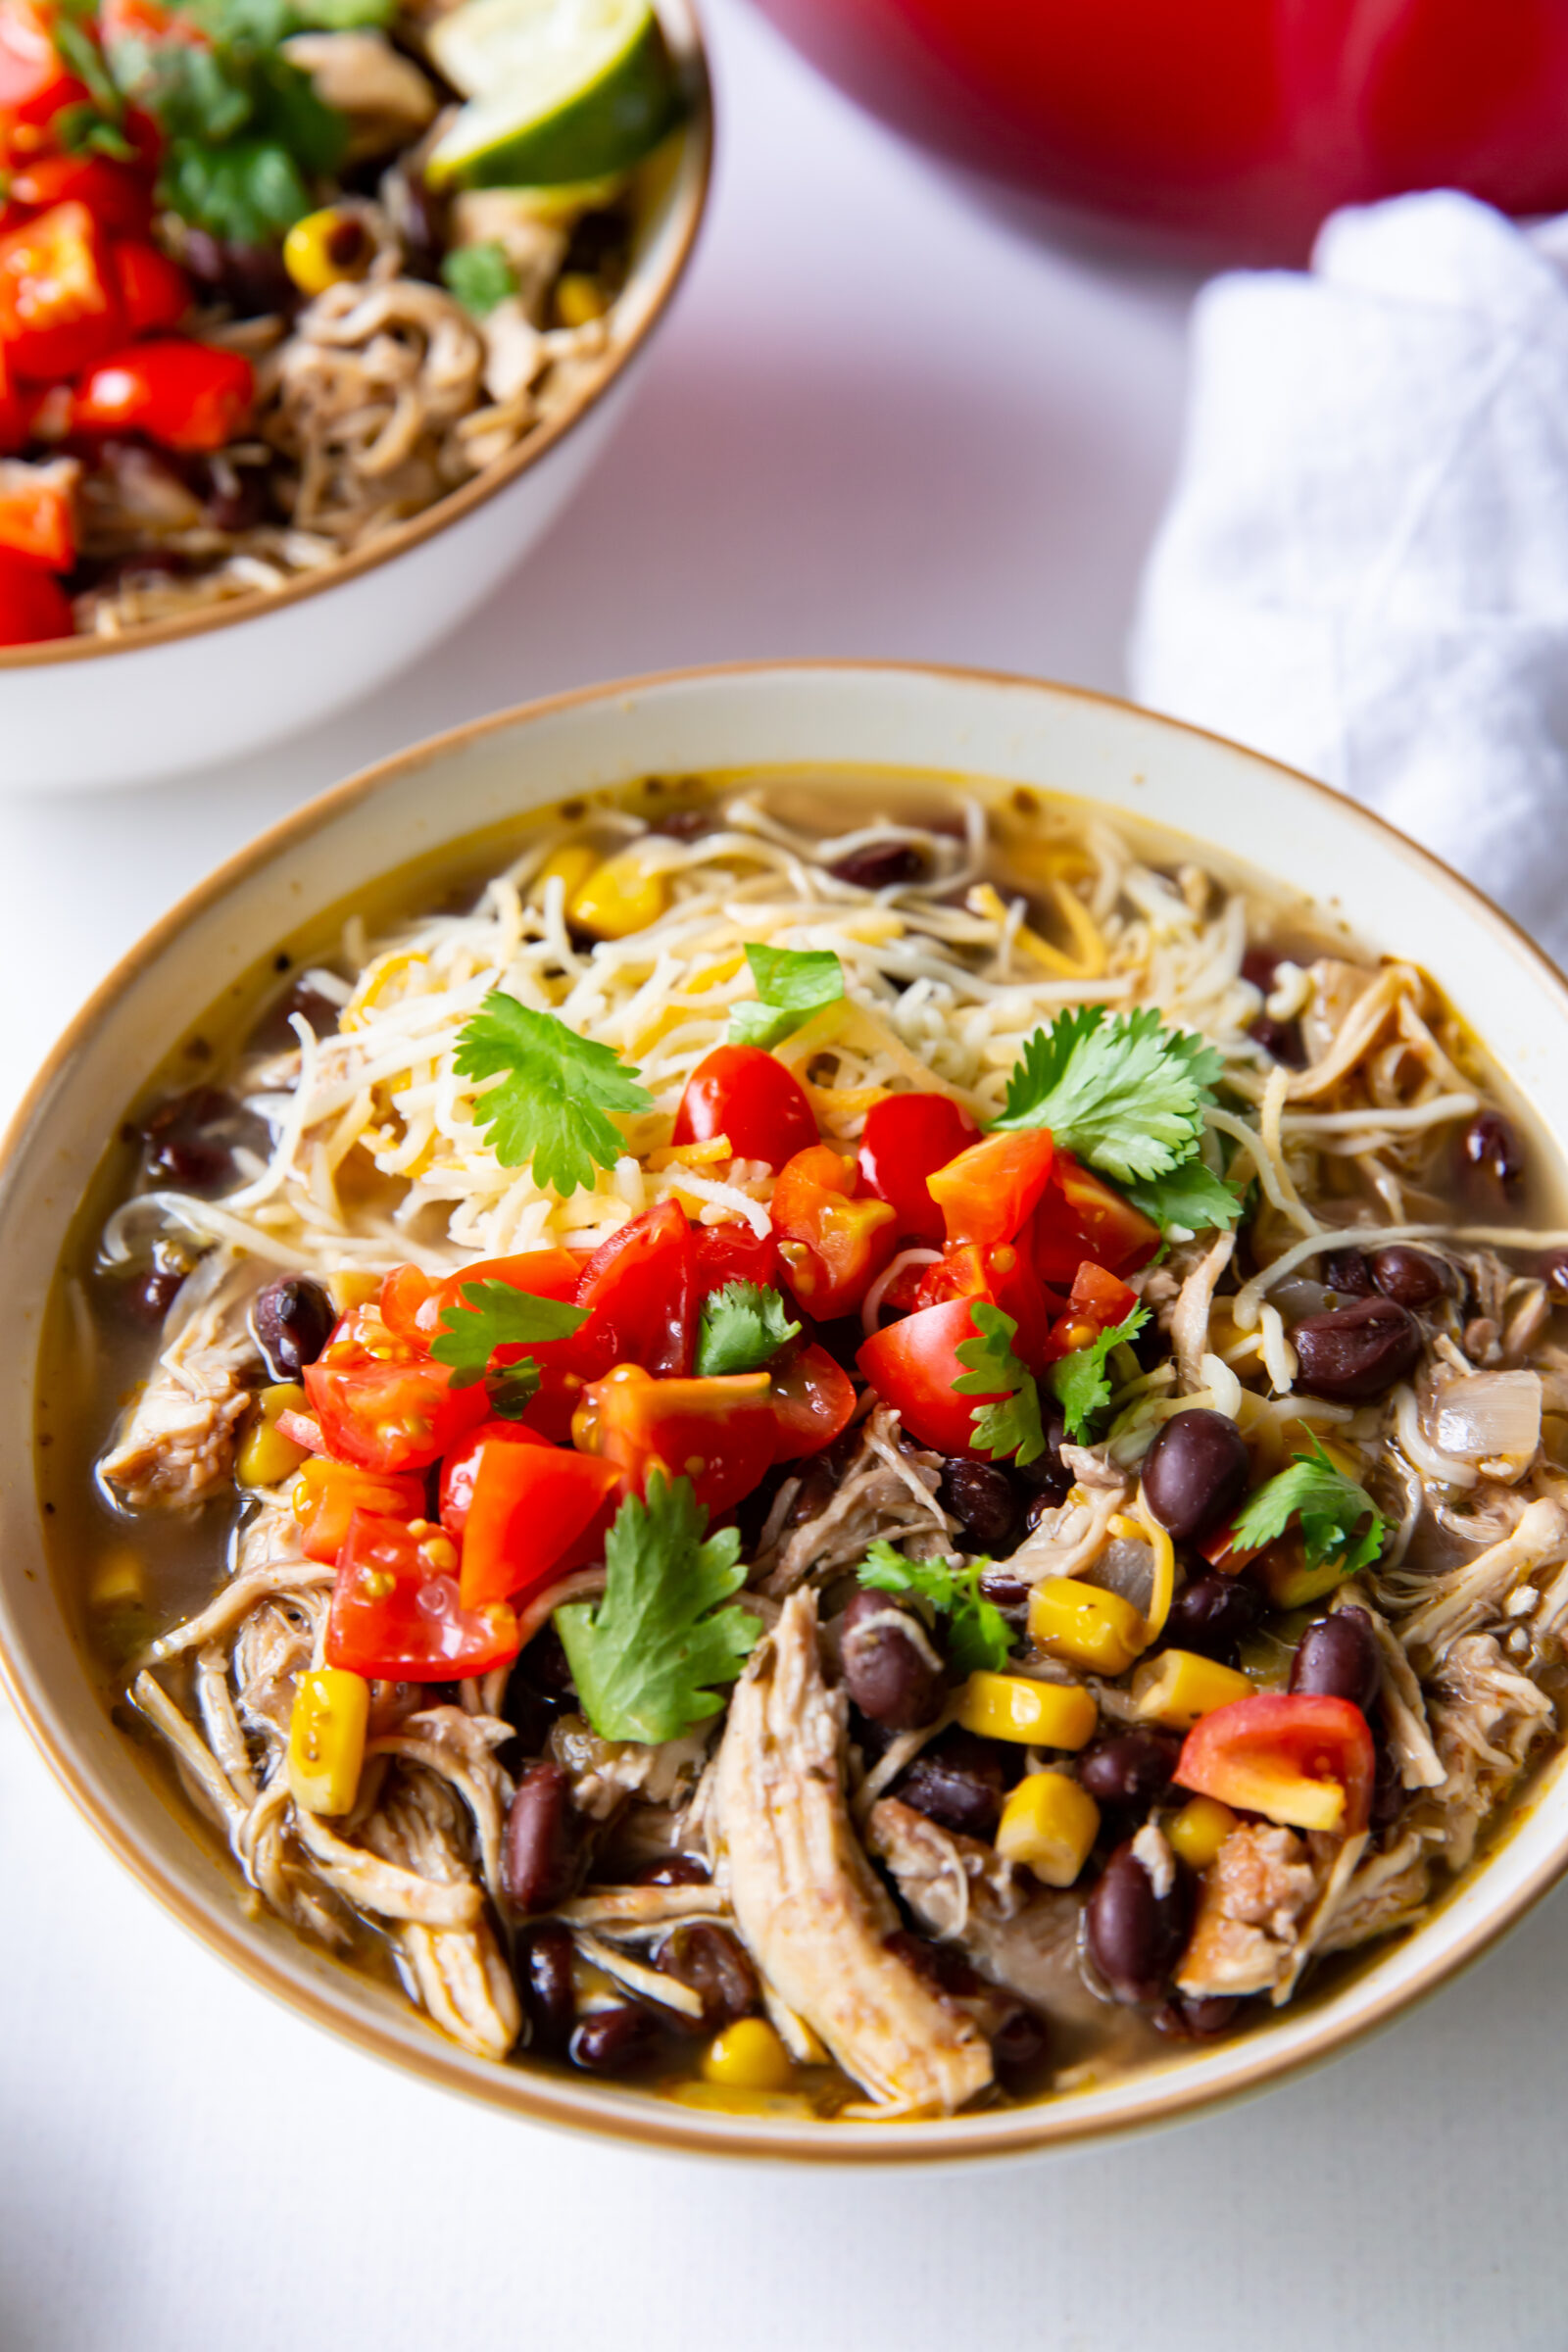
[16, 411]
[734, 1254]
[302, 1430]
[533, 1513]
[1079, 1218]
[987, 1192]
[34, 86]
[1099, 1302]
[720, 1434]
[59, 306]
[118, 196]
[153, 291]
[397, 1614]
[413, 1304]
[35, 513]
[183, 394]
[831, 1244]
[33, 607]
[1297, 1757]
[640, 1289]
[391, 1416]
[913, 1365]
[1005, 1276]
[905, 1140]
[326, 1496]
[813, 1401]
[750, 1096]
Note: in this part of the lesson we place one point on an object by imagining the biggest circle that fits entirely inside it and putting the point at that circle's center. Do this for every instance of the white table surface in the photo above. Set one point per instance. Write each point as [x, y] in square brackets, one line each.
[883, 421]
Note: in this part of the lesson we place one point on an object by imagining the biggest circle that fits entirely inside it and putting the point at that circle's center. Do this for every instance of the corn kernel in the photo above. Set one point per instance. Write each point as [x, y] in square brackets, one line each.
[747, 2056]
[620, 897]
[580, 298]
[1286, 1579]
[119, 1580]
[265, 1457]
[719, 2098]
[324, 248]
[573, 861]
[1050, 1824]
[1012, 1707]
[350, 1289]
[1178, 1688]
[326, 1738]
[1099, 1631]
[1199, 1830]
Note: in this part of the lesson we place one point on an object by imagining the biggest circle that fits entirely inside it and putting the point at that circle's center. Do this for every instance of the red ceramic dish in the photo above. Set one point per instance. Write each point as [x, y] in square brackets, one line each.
[1234, 124]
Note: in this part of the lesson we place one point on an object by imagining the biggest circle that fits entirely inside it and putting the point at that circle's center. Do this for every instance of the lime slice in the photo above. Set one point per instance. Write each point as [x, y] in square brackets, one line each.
[558, 91]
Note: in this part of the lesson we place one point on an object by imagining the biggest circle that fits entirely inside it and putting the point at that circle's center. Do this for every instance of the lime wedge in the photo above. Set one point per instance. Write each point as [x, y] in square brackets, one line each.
[558, 91]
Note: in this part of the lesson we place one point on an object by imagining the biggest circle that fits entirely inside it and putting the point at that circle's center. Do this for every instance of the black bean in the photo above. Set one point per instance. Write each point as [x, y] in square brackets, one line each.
[1019, 2044]
[1355, 1352]
[676, 1870]
[1213, 1615]
[1346, 1271]
[1553, 1272]
[889, 1675]
[1410, 1277]
[714, 1964]
[612, 2040]
[151, 1297]
[1261, 965]
[542, 1965]
[981, 1497]
[1004, 1590]
[684, 824]
[1135, 1936]
[250, 278]
[1388, 1789]
[1198, 2018]
[191, 1140]
[1337, 1658]
[958, 1781]
[880, 865]
[1491, 1163]
[1195, 1473]
[1131, 1769]
[842, 1339]
[272, 1034]
[292, 1320]
[1280, 1040]
[545, 1664]
[539, 1845]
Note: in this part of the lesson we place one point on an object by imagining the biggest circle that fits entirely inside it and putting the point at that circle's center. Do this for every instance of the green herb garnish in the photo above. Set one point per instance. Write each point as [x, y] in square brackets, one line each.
[977, 1631]
[496, 1314]
[1079, 1383]
[743, 1327]
[1011, 1425]
[557, 1090]
[479, 275]
[792, 984]
[1328, 1507]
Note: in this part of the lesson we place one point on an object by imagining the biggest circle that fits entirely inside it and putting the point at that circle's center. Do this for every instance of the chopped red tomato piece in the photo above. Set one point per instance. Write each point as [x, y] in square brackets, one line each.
[327, 1494]
[813, 1401]
[1005, 1276]
[34, 86]
[413, 1303]
[391, 1416]
[1099, 1302]
[533, 1512]
[720, 1434]
[913, 1365]
[905, 1140]
[397, 1614]
[987, 1192]
[59, 305]
[119, 197]
[831, 1246]
[1297, 1757]
[183, 394]
[153, 291]
[35, 513]
[1079, 1218]
[33, 607]
[16, 411]
[640, 1292]
[750, 1098]
[734, 1254]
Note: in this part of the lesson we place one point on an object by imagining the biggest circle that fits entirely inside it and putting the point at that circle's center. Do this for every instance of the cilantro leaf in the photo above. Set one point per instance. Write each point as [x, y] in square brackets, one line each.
[1191, 1195]
[495, 1314]
[1079, 1383]
[743, 1326]
[1121, 1090]
[978, 1635]
[479, 275]
[651, 1657]
[792, 983]
[512, 1387]
[1011, 1426]
[1328, 1505]
[247, 192]
[555, 1093]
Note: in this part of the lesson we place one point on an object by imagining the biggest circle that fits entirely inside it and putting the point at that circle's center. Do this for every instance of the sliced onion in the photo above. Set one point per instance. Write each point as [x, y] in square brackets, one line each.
[1491, 1417]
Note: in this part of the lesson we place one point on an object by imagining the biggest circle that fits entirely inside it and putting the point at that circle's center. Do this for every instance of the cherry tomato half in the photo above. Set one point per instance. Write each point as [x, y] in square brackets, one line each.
[327, 1493]
[913, 1364]
[814, 1402]
[832, 1245]
[720, 1434]
[1005, 1275]
[987, 1192]
[640, 1289]
[734, 1254]
[1298, 1757]
[397, 1614]
[741, 1093]
[391, 1416]
[1079, 1216]
[534, 1512]
[907, 1138]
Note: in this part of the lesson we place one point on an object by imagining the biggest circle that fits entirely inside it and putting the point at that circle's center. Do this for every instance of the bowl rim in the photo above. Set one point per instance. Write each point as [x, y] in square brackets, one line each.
[1172, 2094]
[689, 200]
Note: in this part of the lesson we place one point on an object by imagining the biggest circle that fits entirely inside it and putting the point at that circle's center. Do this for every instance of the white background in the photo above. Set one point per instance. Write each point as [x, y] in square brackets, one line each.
[882, 422]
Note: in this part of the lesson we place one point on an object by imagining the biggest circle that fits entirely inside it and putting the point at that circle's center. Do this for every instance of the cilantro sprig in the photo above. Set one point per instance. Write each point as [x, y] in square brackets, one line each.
[552, 1108]
[1328, 1507]
[494, 1315]
[1010, 1423]
[653, 1656]
[792, 984]
[479, 275]
[1079, 1381]
[977, 1631]
[743, 1327]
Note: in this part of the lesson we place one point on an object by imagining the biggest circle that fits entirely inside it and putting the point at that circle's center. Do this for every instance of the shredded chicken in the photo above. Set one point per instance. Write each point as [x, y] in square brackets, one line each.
[176, 1444]
[886, 1490]
[1255, 1895]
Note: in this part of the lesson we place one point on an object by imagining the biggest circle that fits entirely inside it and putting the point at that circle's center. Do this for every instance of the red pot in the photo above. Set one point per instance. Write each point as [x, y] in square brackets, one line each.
[1236, 123]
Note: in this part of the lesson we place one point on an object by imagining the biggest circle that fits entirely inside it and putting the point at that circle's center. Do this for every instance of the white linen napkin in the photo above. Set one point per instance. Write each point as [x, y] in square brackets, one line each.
[1364, 566]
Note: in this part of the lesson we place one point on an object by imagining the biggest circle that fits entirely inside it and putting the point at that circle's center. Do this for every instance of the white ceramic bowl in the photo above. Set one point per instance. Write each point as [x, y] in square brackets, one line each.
[216, 684]
[1388, 891]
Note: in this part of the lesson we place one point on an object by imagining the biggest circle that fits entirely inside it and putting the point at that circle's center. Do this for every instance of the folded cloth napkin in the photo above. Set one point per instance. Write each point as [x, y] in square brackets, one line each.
[1364, 568]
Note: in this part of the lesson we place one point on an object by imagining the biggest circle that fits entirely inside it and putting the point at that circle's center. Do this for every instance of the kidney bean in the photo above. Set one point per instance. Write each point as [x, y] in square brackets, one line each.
[684, 824]
[1388, 1789]
[191, 1140]
[1017, 2044]
[889, 1677]
[958, 1781]
[1280, 1040]
[1135, 1936]
[1410, 1277]
[981, 1497]
[941, 1966]
[676, 1870]
[714, 1964]
[1212, 1615]
[1198, 2018]
[1002, 1591]
[1346, 1271]
[1195, 1473]
[880, 865]
[539, 1844]
[1337, 1658]
[273, 1033]
[1130, 1768]
[292, 1320]
[1491, 1163]
[612, 2040]
[1261, 966]
[542, 1965]
[1355, 1352]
